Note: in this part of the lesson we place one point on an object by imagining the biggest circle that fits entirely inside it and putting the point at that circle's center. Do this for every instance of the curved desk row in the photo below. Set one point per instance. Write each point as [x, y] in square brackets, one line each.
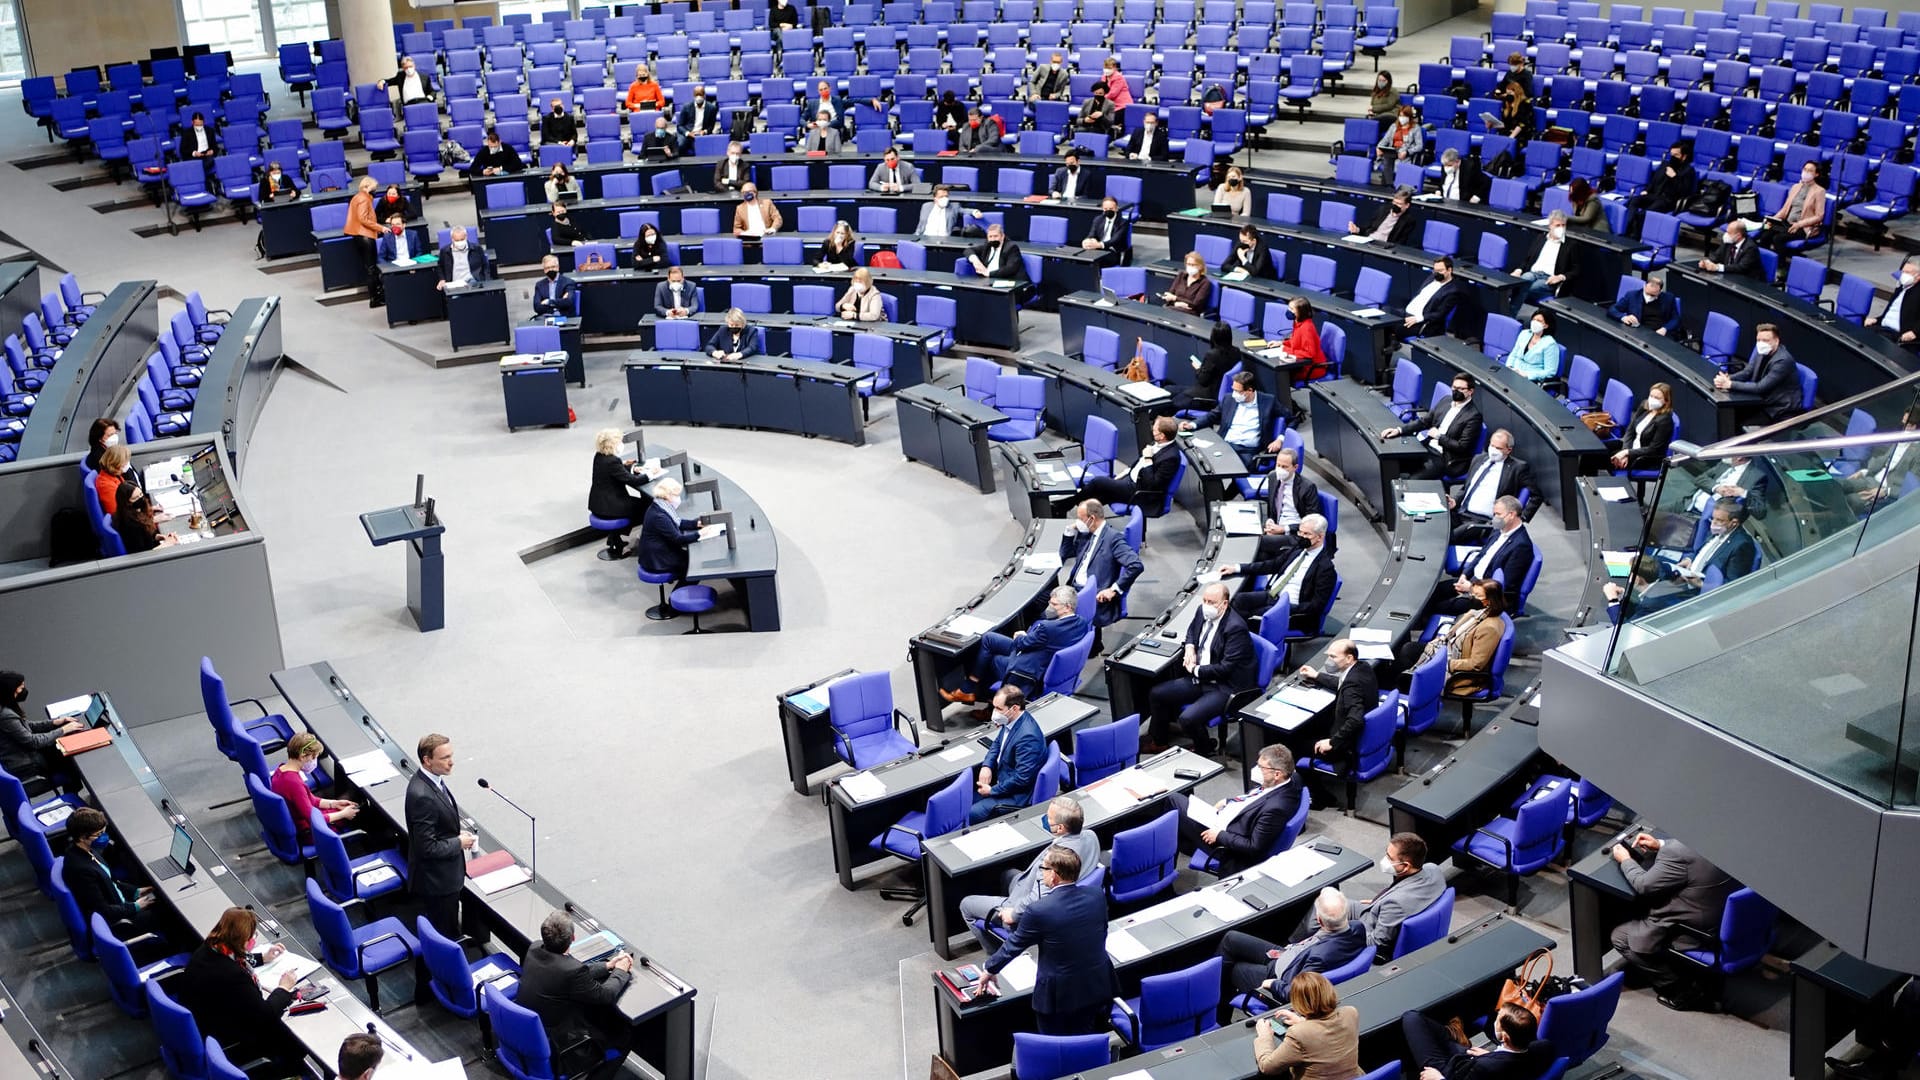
[1347, 420]
[1849, 359]
[238, 375]
[1165, 187]
[747, 556]
[26, 1052]
[763, 393]
[19, 293]
[948, 430]
[1369, 337]
[1476, 782]
[1035, 474]
[911, 346]
[656, 1005]
[1077, 390]
[96, 370]
[1613, 524]
[1545, 434]
[286, 226]
[1184, 335]
[614, 301]
[1638, 357]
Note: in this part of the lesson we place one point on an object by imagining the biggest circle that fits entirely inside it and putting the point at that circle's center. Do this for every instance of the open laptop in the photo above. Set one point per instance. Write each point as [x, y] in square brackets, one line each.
[178, 859]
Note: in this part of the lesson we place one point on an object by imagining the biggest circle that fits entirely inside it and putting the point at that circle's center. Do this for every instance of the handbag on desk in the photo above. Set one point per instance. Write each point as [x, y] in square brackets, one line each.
[1529, 992]
[1137, 367]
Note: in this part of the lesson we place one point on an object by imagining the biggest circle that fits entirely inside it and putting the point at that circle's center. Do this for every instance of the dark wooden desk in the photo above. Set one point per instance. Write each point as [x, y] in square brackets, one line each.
[761, 393]
[1638, 357]
[1077, 390]
[1600, 899]
[910, 344]
[1830, 991]
[947, 430]
[1347, 420]
[1475, 783]
[1036, 479]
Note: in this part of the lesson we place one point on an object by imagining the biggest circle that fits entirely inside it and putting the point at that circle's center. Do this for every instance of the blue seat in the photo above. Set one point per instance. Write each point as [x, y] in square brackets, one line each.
[1051, 777]
[1372, 757]
[614, 528]
[270, 730]
[1526, 841]
[1266, 660]
[1496, 687]
[1320, 627]
[662, 610]
[1023, 398]
[1352, 969]
[523, 1047]
[1743, 938]
[15, 803]
[1206, 863]
[1171, 1007]
[1145, 860]
[451, 976]
[1426, 926]
[345, 878]
[79, 933]
[1105, 749]
[1577, 1021]
[358, 952]
[1064, 668]
[866, 726]
[124, 974]
[39, 848]
[182, 1048]
[694, 600]
[1420, 708]
[1049, 1057]
[906, 839]
[277, 829]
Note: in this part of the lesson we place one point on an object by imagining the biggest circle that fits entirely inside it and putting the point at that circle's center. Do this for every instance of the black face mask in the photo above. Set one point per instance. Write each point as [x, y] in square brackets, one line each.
[1459, 395]
[552, 275]
[1233, 182]
[1439, 277]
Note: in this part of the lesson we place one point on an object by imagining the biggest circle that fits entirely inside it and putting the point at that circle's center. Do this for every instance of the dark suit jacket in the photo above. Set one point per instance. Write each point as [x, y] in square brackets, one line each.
[1683, 890]
[730, 176]
[1306, 496]
[664, 540]
[1158, 152]
[554, 297]
[1033, 650]
[1735, 557]
[1909, 301]
[1330, 954]
[1473, 182]
[1564, 264]
[1514, 559]
[1355, 696]
[476, 262]
[663, 298]
[1250, 835]
[1257, 263]
[1070, 926]
[287, 190]
[398, 79]
[746, 342]
[1650, 453]
[710, 123]
[1012, 267]
[1742, 263]
[1774, 378]
[1403, 231]
[1221, 416]
[1015, 756]
[1122, 237]
[1089, 186]
[609, 497]
[1458, 443]
[1501, 1065]
[1516, 475]
[1230, 660]
[435, 863]
[1664, 314]
[1440, 308]
[1196, 293]
[1113, 564]
[559, 989]
[1316, 592]
[1159, 474]
[220, 993]
[92, 887]
[385, 248]
[558, 128]
[25, 742]
[506, 159]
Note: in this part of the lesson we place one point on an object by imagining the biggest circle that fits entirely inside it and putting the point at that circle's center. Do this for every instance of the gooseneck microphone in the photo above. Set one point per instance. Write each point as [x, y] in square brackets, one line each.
[533, 831]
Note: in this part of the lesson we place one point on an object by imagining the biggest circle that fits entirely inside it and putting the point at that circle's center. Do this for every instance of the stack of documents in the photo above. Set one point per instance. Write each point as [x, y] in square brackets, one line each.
[969, 625]
[369, 768]
[1242, 518]
[862, 786]
[1619, 563]
[1422, 502]
[708, 532]
[988, 842]
[504, 878]
[1042, 561]
[1293, 866]
[1019, 974]
[268, 975]
[959, 751]
[1374, 643]
[1144, 391]
[1367, 312]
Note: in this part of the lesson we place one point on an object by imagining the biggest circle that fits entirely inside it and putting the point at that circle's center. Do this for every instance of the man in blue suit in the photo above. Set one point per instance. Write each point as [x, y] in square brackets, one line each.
[1217, 663]
[941, 217]
[1649, 306]
[1258, 964]
[1509, 550]
[553, 293]
[1073, 985]
[664, 535]
[1022, 659]
[1005, 781]
[1095, 552]
[1244, 420]
[1727, 547]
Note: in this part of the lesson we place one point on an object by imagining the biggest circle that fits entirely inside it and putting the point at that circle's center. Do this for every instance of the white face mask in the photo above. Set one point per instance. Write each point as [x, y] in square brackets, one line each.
[1148, 128]
[733, 157]
[941, 203]
[1386, 865]
[1732, 239]
[672, 501]
[1194, 271]
[859, 286]
[1763, 349]
[1405, 120]
[1539, 327]
[1906, 281]
[308, 766]
[112, 439]
[1496, 455]
[460, 245]
[1558, 232]
[1718, 529]
[1209, 612]
[1284, 476]
[1655, 404]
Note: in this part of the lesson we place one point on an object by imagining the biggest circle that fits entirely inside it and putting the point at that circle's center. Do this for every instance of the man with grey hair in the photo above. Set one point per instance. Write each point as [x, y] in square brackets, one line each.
[461, 263]
[1900, 319]
[1217, 663]
[1460, 179]
[1000, 913]
[1304, 575]
[1243, 830]
[1549, 271]
[1095, 552]
[561, 990]
[1022, 659]
[1395, 222]
[1256, 964]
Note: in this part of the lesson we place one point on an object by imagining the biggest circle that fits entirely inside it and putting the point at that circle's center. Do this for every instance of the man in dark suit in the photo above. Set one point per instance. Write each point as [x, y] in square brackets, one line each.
[394, 244]
[1667, 190]
[1508, 549]
[1256, 964]
[562, 991]
[676, 298]
[1460, 178]
[1451, 433]
[1095, 552]
[1434, 305]
[1005, 781]
[1900, 319]
[1022, 659]
[1148, 477]
[1685, 895]
[944, 217]
[1750, 480]
[698, 117]
[1549, 266]
[664, 535]
[557, 126]
[998, 259]
[408, 85]
[461, 263]
[1217, 663]
[1736, 256]
[1395, 223]
[553, 294]
[730, 173]
[1073, 986]
[1649, 306]
[1147, 143]
[1728, 547]
[1290, 498]
[495, 158]
[1770, 373]
[1110, 233]
[436, 842]
[1356, 692]
[1303, 573]
[1249, 255]
[1244, 420]
[1246, 827]
[1489, 476]
[1515, 1055]
[1887, 470]
[1071, 180]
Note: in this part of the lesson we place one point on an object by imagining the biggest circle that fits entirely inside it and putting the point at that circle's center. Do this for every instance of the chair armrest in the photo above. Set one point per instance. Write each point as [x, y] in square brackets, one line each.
[1132, 1034]
[211, 312]
[911, 726]
[360, 950]
[255, 702]
[94, 296]
[351, 834]
[915, 833]
[1504, 842]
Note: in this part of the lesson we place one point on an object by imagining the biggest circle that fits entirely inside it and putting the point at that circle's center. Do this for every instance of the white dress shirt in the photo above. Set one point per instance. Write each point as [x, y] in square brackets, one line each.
[1079, 579]
[1433, 433]
[1299, 575]
[400, 252]
[411, 89]
[1483, 566]
[1418, 307]
[1549, 255]
[936, 221]
[1072, 187]
[1450, 185]
[1284, 511]
[756, 222]
[1483, 487]
[1891, 321]
[1146, 461]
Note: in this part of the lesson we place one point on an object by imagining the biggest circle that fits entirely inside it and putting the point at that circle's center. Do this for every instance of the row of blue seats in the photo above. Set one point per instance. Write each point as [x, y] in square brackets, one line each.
[32, 352]
[1695, 60]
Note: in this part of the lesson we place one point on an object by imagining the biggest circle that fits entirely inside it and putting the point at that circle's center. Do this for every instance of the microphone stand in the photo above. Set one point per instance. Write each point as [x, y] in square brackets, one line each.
[533, 831]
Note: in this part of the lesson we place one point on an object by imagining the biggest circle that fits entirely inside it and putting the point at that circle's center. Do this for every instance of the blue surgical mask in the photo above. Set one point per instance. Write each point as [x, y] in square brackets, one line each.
[99, 843]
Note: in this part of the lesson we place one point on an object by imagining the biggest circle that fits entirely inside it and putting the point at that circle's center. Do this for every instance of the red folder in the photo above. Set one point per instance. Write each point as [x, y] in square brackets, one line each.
[488, 863]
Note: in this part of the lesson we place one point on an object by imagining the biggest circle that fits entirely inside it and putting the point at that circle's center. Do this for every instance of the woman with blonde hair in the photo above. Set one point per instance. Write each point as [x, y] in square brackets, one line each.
[616, 494]
[290, 782]
[841, 247]
[1323, 1036]
[1233, 193]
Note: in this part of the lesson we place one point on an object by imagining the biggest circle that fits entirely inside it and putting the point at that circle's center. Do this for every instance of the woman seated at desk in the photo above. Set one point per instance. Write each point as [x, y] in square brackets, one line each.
[1322, 1036]
[841, 248]
[1210, 371]
[1303, 344]
[105, 432]
[1149, 476]
[862, 301]
[1535, 354]
[1469, 643]
[1649, 433]
[1190, 290]
[1232, 194]
[220, 989]
[616, 494]
[1589, 212]
[732, 341]
[291, 780]
[649, 249]
[560, 184]
[138, 524]
[26, 745]
[115, 474]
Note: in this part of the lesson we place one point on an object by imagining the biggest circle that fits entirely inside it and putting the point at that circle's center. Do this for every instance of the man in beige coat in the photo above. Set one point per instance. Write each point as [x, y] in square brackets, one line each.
[755, 217]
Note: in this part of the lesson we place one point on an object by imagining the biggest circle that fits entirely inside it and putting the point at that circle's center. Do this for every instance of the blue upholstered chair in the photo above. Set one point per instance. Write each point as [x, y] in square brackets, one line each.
[523, 1047]
[1105, 749]
[1524, 842]
[1420, 708]
[1372, 757]
[1743, 938]
[124, 974]
[1577, 1021]
[1496, 687]
[866, 726]
[1145, 860]
[271, 730]
[451, 976]
[358, 952]
[906, 839]
[1171, 1007]
[1051, 777]
[345, 878]
[1049, 1057]
[277, 828]
[1426, 926]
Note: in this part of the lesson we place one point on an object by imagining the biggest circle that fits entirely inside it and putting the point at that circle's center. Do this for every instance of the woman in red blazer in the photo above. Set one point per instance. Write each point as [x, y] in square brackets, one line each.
[1304, 343]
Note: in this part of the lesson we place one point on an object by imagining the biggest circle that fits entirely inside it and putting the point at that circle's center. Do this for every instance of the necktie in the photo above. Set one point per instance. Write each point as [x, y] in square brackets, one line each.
[893, 176]
[1467, 499]
[117, 890]
[1279, 584]
[1206, 640]
[1080, 568]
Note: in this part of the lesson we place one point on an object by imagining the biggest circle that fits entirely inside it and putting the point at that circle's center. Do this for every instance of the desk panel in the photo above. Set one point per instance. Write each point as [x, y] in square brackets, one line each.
[1369, 337]
[1638, 357]
[1347, 421]
[911, 345]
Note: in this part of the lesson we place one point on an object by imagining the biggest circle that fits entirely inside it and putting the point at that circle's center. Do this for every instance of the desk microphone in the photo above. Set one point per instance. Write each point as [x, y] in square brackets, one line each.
[383, 1041]
[647, 962]
[591, 922]
[533, 831]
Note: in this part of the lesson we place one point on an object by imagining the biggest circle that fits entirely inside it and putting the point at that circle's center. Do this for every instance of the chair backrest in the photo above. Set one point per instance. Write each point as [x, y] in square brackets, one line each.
[451, 979]
[1052, 776]
[1577, 1021]
[1539, 823]
[982, 379]
[523, 1048]
[1180, 1004]
[1426, 926]
[1746, 930]
[213, 698]
[1145, 858]
[334, 866]
[330, 922]
[1423, 692]
[1105, 749]
[116, 961]
[1064, 667]
[861, 704]
[1376, 736]
[79, 934]
[276, 821]
[182, 1049]
[1046, 1057]
[947, 808]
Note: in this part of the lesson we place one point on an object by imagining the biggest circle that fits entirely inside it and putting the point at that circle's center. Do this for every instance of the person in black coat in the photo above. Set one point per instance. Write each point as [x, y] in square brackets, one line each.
[1071, 180]
[1290, 498]
[1147, 143]
[1210, 370]
[97, 889]
[616, 492]
[650, 250]
[557, 126]
[1667, 190]
[1356, 693]
[1900, 318]
[219, 988]
[1450, 432]
[1148, 478]
[1259, 816]
[664, 536]
[554, 293]
[998, 258]
[1649, 432]
[1095, 552]
[1507, 549]
[458, 250]
[1736, 256]
[436, 841]
[26, 744]
[1489, 476]
[1218, 662]
[566, 994]
[1460, 178]
[495, 158]
[1073, 985]
[1434, 304]
[1398, 217]
[733, 340]
[1432, 1050]
[1649, 306]
[782, 16]
[1249, 254]
[1308, 560]
[1770, 373]
[1110, 233]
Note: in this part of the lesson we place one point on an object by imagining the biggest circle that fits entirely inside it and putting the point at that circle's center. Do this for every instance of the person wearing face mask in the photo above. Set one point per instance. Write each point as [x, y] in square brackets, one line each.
[1249, 255]
[980, 134]
[1888, 470]
[138, 525]
[991, 917]
[1356, 692]
[839, 107]
[1900, 319]
[103, 433]
[1146, 479]
[841, 249]
[554, 293]
[1667, 190]
[1148, 142]
[1737, 255]
[1401, 142]
[1210, 372]
[662, 141]
[197, 141]
[1302, 572]
[394, 245]
[1290, 498]
[1254, 964]
[1515, 1054]
[861, 302]
[1649, 306]
[1645, 591]
[697, 117]
[561, 229]
[1747, 479]
[893, 176]
[1550, 269]
[1433, 307]
[557, 126]
[407, 85]
[1416, 884]
[276, 185]
[616, 491]
[1800, 218]
[664, 534]
[1242, 830]
[1022, 658]
[1490, 476]
[782, 16]
[27, 743]
[1097, 114]
[116, 474]
[1119, 90]
[1516, 73]
[1769, 374]
[1450, 432]
[1535, 354]
[1190, 291]
[1051, 82]
[364, 227]
[730, 173]
[1005, 781]
[1725, 546]
[1216, 663]
[1094, 552]
[1073, 981]
[755, 217]
[1110, 233]
[1460, 178]
[496, 157]
[999, 258]
[645, 92]
[941, 217]
[1507, 549]
[291, 782]
[560, 184]
[1384, 102]
[822, 137]
[733, 340]
[1394, 224]
[1243, 419]
[1649, 433]
[1072, 180]
[1302, 346]
[676, 298]
[1233, 194]
[1515, 118]
[219, 988]
[98, 888]
[1468, 643]
[650, 250]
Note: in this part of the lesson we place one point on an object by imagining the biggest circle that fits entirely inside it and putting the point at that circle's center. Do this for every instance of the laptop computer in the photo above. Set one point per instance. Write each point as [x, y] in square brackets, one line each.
[178, 859]
[567, 195]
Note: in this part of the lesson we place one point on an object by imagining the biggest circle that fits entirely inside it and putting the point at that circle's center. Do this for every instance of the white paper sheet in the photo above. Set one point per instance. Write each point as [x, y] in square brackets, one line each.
[1041, 561]
[1310, 698]
[1222, 906]
[402, 1069]
[1111, 796]
[1144, 391]
[504, 878]
[1357, 238]
[1280, 714]
[1123, 947]
[862, 786]
[1368, 312]
[959, 751]
[369, 768]
[1019, 974]
[1366, 634]
[268, 975]
[1374, 651]
[972, 625]
[1613, 494]
[990, 841]
[1422, 502]
[1203, 812]
[68, 706]
[1295, 865]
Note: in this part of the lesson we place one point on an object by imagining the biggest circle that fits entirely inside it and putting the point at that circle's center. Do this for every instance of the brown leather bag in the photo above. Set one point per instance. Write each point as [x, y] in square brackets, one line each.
[1529, 992]
[1137, 367]
[1600, 422]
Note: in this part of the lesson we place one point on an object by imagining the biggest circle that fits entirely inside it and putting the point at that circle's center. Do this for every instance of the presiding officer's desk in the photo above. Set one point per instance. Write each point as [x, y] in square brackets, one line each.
[1459, 974]
[1849, 359]
[1600, 899]
[940, 653]
[1183, 930]
[1077, 390]
[25, 1052]
[985, 312]
[1475, 783]
[1832, 990]
[1638, 357]
[142, 814]
[1120, 801]
[1347, 420]
[1613, 524]
[911, 345]
[1369, 337]
[862, 805]
[764, 393]
[1545, 435]
[752, 561]
[1143, 660]
[946, 429]
[656, 1006]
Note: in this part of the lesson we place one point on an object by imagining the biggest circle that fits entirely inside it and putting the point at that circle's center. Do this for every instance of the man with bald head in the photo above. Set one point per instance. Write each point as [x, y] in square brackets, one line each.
[1217, 663]
[1356, 691]
[461, 262]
